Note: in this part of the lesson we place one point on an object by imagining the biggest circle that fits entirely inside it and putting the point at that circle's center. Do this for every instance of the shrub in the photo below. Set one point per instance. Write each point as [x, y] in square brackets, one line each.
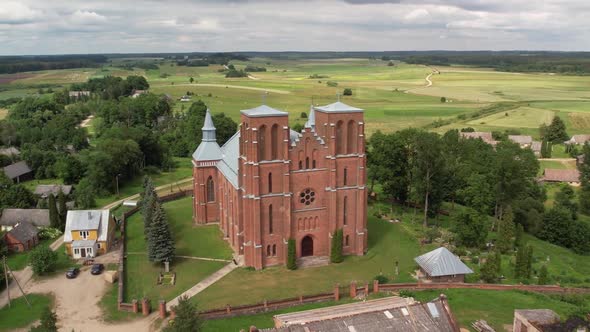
[382, 279]
[406, 293]
[187, 318]
[43, 260]
[443, 99]
[336, 252]
[347, 92]
[291, 258]
[332, 83]
[49, 233]
[303, 115]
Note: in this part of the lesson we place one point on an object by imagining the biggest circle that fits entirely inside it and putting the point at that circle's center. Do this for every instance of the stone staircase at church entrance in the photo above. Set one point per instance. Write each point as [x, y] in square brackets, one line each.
[312, 261]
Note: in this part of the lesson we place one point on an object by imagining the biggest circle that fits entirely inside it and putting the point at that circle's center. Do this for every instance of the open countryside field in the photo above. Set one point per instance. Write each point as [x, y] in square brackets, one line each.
[394, 97]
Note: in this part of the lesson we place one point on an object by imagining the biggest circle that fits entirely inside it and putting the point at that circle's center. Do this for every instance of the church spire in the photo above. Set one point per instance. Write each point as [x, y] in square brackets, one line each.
[310, 123]
[208, 128]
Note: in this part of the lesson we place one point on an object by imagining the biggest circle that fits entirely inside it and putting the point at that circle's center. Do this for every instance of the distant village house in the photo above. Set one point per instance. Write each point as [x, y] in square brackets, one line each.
[570, 176]
[524, 141]
[137, 93]
[22, 237]
[11, 217]
[88, 233]
[79, 94]
[44, 190]
[18, 172]
[10, 152]
[578, 140]
[483, 135]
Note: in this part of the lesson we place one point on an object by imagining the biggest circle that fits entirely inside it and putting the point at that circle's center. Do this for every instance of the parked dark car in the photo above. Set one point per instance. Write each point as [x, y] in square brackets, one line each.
[72, 273]
[97, 269]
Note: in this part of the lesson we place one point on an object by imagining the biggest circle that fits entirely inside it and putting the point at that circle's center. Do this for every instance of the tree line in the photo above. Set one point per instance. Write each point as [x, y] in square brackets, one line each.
[495, 184]
[17, 64]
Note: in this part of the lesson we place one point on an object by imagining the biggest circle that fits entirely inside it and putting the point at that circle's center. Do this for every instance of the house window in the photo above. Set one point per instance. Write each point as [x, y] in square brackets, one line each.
[210, 190]
[270, 219]
[76, 251]
[89, 251]
[84, 234]
[98, 245]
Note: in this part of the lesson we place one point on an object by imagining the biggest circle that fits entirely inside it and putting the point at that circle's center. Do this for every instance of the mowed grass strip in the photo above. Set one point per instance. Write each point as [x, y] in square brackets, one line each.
[199, 241]
[19, 315]
[388, 243]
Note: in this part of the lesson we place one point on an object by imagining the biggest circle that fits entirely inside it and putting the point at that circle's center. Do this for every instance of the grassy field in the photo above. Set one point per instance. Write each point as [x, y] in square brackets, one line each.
[388, 243]
[205, 241]
[393, 97]
[496, 307]
[20, 315]
[182, 171]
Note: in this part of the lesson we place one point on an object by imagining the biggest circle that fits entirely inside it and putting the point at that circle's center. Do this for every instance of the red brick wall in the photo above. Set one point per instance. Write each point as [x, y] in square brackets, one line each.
[244, 215]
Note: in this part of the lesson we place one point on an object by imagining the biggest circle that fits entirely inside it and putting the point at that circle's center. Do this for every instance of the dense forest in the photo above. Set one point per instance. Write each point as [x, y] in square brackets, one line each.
[17, 64]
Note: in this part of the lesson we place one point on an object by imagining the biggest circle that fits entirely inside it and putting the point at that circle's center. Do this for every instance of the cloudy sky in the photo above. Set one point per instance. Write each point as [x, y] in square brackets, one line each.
[91, 26]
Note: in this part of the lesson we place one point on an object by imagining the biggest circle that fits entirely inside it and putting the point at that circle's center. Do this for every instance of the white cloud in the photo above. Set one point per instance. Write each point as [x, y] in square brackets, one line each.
[98, 26]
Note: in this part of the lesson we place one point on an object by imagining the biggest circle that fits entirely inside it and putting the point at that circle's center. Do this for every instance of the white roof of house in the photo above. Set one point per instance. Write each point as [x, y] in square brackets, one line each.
[338, 107]
[85, 220]
[442, 262]
[263, 110]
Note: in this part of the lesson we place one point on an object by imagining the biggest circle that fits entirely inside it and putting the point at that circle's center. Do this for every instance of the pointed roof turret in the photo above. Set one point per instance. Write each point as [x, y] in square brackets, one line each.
[208, 149]
[310, 123]
[208, 128]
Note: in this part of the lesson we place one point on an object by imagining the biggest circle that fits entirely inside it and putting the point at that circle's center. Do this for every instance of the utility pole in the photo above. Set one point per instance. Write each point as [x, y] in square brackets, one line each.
[6, 278]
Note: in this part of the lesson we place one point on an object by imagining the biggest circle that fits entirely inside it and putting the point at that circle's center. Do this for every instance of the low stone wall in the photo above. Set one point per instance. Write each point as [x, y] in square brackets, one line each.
[133, 306]
[499, 287]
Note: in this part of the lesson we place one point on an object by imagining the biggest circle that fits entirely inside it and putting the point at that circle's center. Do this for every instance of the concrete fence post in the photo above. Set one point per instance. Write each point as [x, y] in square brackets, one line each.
[227, 309]
[172, 314]
[353, 290]
[162, 309]
[337, 292]
[375, 286]
[265, 304]
[300, 298]
[134, 306]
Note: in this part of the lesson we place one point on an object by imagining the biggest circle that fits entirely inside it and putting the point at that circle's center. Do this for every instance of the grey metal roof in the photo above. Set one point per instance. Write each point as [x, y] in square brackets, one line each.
[24, 231]
[207, 150]
[310, 123]
[521, 139]
[38, 217]
[338, 107]
[83, 243]
[54, 189]
[17, 169]
[368, 318]
[208, 125]
[229, 164]
[83, 220]
[441, 262]
[263, 110]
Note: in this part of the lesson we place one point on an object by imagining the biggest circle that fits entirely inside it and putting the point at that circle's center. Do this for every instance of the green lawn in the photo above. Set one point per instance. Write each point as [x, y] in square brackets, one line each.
[182, 171]
[202, 241]
[387, 243]
[496, 307]
[20, 315]
[18, 261]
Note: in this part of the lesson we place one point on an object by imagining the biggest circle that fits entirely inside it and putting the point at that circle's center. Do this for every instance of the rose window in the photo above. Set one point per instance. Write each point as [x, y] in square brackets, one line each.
[307, 196]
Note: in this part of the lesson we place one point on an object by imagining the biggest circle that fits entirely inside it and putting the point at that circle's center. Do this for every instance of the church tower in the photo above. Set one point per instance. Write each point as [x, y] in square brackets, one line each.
[264, 182]
[205, 175]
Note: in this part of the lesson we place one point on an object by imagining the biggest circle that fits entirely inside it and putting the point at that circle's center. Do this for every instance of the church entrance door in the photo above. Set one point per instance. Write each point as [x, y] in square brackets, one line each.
[307, 246]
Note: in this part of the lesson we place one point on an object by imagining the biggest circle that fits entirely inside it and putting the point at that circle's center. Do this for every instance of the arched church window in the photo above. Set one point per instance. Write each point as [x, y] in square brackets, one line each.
[262, 143]
[274, 137]
[339, 138]
[210, 190]
[350, 137]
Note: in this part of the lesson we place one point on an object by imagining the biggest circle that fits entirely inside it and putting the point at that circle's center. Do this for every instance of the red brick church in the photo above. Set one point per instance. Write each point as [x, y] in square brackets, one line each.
[269, 184]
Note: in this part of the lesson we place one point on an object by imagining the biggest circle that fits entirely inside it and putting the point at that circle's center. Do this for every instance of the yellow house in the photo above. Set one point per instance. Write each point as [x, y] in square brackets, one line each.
[88, 233]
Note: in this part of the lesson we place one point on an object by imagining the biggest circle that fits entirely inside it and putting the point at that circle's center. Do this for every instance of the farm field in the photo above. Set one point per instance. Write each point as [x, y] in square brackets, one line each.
[394, 97]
